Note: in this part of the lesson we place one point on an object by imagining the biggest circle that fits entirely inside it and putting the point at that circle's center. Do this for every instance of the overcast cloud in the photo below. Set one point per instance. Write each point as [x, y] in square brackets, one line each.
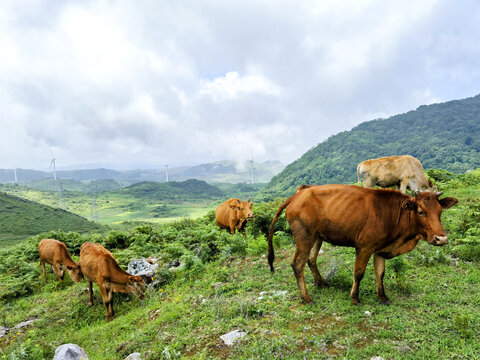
[132, 84]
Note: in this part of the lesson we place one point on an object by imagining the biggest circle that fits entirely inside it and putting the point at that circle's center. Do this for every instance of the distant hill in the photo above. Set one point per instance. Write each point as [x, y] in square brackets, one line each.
[445, 135]
[185, 190]
[221, 171]
[87, 186]
[23, 217]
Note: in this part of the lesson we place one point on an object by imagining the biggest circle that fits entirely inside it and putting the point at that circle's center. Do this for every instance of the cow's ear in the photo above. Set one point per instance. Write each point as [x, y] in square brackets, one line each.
[409, 204]
[448, 202]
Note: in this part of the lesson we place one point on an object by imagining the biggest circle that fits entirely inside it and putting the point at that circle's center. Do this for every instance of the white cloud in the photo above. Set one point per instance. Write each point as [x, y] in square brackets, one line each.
[184, 82]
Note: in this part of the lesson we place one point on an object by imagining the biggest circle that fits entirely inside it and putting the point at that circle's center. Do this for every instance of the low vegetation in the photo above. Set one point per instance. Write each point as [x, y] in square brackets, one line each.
[223, 283]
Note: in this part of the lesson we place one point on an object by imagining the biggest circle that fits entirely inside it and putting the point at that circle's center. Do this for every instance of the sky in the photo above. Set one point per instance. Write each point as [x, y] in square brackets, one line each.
[139, 84]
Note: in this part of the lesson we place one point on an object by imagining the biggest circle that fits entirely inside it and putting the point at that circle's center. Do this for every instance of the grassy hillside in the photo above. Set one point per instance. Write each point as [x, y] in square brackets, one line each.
[22, 218]
[443, 136]
[224, 284]
[173, 190]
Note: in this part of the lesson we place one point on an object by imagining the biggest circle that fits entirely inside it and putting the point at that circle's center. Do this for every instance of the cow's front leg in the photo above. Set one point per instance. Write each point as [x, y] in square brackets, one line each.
[58, 270]
[379, 266]
[104, 293]
[361, 260]
[44, 272]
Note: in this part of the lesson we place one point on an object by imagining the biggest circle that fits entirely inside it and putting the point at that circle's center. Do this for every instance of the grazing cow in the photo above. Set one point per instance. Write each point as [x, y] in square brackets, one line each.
[382, 222]
[404, 171]
[55, 253]
[99, 265]
[233, 214]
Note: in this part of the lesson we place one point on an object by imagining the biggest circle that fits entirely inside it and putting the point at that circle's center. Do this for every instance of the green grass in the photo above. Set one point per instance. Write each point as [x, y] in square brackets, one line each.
[435, 314]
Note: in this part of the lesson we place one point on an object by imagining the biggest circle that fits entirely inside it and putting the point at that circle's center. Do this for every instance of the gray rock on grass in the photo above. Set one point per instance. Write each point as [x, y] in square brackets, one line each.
[70, 352]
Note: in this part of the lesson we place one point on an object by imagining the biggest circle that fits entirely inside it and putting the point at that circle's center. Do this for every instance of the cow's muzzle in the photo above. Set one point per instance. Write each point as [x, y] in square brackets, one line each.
[439, 240]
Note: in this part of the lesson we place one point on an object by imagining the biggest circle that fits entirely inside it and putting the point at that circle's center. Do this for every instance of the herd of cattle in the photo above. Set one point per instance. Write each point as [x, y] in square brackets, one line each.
[381, 222]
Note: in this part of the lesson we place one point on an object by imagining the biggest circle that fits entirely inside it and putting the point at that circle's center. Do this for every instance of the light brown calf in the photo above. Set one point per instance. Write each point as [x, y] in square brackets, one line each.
[55, 253]
[98, 265]
[233, 214]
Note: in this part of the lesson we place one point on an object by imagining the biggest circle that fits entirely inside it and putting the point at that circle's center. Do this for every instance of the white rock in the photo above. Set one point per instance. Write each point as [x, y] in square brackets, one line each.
[368, 313]
[377, 358]
[232, 336]
[70, 352]
[25, 323]
[134, 356]
[3, 331]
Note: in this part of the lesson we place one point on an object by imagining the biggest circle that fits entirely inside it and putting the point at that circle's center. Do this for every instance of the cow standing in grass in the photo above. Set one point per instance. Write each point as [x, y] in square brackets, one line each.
[98, 265]
[55, 253]
[399, 171]
[380, 222]
[233, 214]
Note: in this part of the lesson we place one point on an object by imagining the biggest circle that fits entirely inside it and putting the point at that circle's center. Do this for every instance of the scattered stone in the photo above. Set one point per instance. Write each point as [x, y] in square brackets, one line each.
[3, 331]
[134, 356]
[152, 261]
[232, 336]
[274, 294]
[368, 313]
[217, 285]
[377, 358]
[140, 267]
[25, 323]
[70, 352]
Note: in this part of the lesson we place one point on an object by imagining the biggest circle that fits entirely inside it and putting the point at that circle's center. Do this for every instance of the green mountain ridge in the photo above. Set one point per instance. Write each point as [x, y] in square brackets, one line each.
[445, 135]
[24, 217]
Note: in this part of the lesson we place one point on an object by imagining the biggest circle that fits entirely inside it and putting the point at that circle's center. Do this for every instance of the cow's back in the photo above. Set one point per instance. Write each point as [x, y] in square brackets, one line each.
[52, 249]
[93, 259]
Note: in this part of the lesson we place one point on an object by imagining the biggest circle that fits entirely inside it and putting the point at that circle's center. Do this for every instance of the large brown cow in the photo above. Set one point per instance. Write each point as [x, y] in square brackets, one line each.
[382, 222]
[99, 265]
[55, 253]
[403, 171]
[233, 214]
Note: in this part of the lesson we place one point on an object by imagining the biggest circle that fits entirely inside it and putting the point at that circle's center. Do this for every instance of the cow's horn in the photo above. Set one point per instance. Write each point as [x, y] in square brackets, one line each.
[439, 193]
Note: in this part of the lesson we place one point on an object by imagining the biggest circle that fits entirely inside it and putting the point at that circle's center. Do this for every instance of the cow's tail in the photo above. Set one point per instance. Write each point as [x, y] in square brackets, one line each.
[271, 252]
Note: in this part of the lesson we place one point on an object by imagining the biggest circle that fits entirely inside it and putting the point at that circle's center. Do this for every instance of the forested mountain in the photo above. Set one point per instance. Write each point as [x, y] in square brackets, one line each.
[445, 135]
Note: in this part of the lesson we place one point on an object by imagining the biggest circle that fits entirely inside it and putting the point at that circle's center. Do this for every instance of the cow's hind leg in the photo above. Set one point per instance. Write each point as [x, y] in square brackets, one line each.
[312, 264]
[44, 272]
[105, 296]
[90, 293]
[361, 260]
[303, 244]
[379, 266]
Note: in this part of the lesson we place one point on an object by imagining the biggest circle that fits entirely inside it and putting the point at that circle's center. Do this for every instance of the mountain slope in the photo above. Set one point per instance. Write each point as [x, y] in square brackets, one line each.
[186, 190]
[23, 217]
[445, 135]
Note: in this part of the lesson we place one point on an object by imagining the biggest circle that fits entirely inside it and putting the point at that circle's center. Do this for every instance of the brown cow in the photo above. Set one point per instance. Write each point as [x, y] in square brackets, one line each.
[55, 253]
[233, 214]
[404, 171]
[382, 222]
[99, 265]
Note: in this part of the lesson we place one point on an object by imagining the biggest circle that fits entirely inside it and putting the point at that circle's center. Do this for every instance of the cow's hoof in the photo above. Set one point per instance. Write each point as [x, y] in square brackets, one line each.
[356, 302]
[385, 301]
[321, 284]
[308, 300]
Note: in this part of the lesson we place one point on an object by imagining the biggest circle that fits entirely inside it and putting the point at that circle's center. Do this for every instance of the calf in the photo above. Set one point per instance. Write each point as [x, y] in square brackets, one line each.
[55, 253]
[99, 265]
[233, 214]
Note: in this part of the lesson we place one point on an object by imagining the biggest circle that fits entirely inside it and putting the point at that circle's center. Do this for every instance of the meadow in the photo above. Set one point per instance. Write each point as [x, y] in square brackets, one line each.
[224, 284]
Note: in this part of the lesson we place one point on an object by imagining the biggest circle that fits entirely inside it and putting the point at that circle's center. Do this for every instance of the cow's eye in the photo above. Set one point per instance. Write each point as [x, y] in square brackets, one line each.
[421, 213]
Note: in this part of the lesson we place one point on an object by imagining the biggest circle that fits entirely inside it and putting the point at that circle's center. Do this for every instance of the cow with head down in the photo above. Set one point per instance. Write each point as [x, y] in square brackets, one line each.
[98, 265]
[55, 253]
[233, 214]
[399, 171]
[380, 222]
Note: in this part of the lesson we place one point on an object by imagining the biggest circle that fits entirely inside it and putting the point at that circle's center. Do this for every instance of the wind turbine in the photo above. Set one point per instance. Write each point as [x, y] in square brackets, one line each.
[15, 175]
[52, 163]
[253, 178]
